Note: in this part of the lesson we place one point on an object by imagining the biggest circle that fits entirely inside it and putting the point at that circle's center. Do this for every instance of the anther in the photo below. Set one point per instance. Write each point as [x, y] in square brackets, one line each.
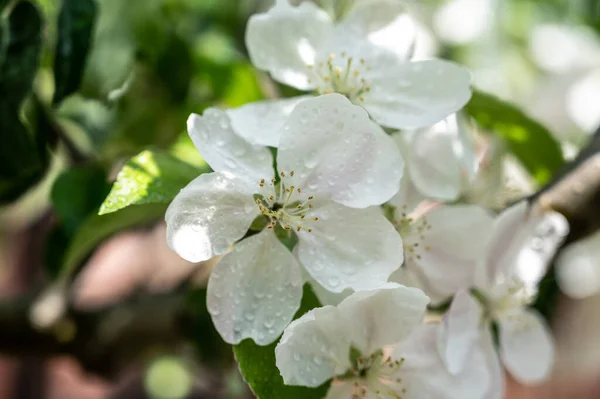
[292, 173]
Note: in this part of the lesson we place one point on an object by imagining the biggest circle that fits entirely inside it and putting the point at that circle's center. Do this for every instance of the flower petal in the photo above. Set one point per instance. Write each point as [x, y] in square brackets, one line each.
[408, 198]
[349, 248]
[526, 346]
[420, 94]
[459, 332]
[384, 23]
[447, 252]
[436, 162]
[262, 122]
[424, 375]
[384, 316]
[342, 389]
[335, 149]
[254, 291]
[325, 296]
[520, 248]
[313, 348]
[578, 267]
[210, 214]
[286, 39]
[224, 150]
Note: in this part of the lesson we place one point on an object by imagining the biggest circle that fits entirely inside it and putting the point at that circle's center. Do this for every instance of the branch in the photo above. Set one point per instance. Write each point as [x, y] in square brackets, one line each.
[575, 192]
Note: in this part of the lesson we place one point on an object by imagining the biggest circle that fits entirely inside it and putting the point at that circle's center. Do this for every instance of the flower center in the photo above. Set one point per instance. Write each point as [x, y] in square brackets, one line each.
[413, 231]
[514, 296]
[285, 204]
[341, 74]
[378, 374]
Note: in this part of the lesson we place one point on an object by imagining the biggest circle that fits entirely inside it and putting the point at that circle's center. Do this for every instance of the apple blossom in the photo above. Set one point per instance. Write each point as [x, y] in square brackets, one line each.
[334, 165]
[517, 255]
[374, 346]
[442, 246]
[302, 47]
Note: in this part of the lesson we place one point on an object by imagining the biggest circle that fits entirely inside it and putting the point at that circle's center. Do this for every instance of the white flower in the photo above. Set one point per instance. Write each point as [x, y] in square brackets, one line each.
[517, 256]
[442, 243]
[351, 343]
[332, 160]
[578, 267]
[440, 159]
[302, 47]
[442, 246]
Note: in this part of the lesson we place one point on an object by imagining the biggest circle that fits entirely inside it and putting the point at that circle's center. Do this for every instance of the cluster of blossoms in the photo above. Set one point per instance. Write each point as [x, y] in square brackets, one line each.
[369, 219]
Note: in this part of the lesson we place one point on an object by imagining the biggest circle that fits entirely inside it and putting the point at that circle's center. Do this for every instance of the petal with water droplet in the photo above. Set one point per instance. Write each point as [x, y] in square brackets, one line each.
[337, 152]
[210, 214]
[364, 251]
[224, 150]
[433, 90]
[313, 348]
[262, 279]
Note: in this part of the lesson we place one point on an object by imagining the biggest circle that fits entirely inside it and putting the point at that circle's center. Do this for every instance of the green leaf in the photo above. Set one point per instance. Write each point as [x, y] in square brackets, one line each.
[257, 364]
[96, 229]
[75, 28]
[20, 163]
[77, 193]
[22, 53]
[149, 177]
[529, 141]
[3, 40]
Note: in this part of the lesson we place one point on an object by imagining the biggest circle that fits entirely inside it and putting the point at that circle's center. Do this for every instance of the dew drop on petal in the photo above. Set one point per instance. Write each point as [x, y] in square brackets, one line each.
[311, 160]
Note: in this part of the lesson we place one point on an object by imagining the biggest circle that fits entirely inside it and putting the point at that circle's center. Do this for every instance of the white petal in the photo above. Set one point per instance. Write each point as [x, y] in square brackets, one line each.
[286, 39]
[435, 163]
[526, 346]
[342, 389]
[385, 23]
[337, 151]
[262, 122]
[448, 251]
[487, 349]
[459, 331]
[384, 316]
[424, 375]
[210, 214]
[408, 198]
[520, 248]
[499, 247]
[254, 291]
[224, 150]
[313, 348]
[578, 267]
[325, 296]
[349, 248]
[419, 94]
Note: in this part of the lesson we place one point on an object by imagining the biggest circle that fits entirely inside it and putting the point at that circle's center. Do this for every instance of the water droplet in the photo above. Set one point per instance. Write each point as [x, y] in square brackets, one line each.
[297, 357]
[269, 323]
[249, 316]
[311, 160]
[318, 360]
[333, 281]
